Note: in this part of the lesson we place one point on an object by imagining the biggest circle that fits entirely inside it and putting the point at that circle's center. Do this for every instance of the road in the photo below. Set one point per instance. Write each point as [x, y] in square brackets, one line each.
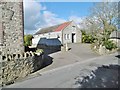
[65, 76]
[78, 53]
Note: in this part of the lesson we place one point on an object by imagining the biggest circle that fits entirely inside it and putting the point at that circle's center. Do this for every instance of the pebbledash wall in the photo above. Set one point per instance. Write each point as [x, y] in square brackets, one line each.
[14, 62]
[11, 27]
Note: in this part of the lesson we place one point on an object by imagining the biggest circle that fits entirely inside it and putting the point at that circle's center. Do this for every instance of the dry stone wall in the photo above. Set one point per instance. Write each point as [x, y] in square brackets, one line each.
[17, 66]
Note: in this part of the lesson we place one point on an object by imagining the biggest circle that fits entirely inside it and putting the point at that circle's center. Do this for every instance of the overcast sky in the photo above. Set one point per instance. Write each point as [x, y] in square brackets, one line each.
[43, 14]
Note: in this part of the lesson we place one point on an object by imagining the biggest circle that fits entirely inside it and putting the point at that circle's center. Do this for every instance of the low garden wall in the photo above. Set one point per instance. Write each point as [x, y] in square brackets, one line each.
[17, 66]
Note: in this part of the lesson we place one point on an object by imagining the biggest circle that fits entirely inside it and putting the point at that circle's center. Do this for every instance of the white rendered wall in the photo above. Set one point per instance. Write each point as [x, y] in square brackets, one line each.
[49, 36]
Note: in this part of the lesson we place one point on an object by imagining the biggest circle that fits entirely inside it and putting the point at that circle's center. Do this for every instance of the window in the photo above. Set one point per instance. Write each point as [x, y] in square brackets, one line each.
[74, 28]
[67, 36]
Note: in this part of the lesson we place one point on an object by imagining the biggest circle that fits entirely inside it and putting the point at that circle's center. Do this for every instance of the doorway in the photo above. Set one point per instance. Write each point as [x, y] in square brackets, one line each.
[73, 37]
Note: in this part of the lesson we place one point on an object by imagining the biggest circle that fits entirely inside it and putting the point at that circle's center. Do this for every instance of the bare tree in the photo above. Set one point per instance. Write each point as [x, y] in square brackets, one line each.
[103, 20]
[107, 14]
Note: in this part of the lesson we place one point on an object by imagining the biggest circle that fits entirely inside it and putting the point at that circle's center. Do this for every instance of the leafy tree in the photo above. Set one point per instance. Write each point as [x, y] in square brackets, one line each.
[28, 40]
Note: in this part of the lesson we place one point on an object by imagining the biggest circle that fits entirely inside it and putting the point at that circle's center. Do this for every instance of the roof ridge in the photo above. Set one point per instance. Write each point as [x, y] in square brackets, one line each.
[54, 26]
[62, 26]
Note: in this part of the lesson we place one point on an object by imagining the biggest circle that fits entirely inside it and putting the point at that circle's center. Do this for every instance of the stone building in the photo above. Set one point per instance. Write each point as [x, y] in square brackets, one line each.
[115, 37]
[11, 27]
[61, 34]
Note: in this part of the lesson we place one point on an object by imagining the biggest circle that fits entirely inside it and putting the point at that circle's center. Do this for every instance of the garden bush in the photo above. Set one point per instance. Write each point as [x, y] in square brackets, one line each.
[39, 51]
[87, 38]
[28, 40]
[109, 45]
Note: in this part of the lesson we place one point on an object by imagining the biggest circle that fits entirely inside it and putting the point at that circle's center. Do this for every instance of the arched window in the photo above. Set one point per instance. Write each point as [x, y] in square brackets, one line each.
[67, 36]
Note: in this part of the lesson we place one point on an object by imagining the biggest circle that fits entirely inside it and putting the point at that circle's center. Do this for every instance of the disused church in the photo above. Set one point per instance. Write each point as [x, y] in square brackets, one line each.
[67, 32]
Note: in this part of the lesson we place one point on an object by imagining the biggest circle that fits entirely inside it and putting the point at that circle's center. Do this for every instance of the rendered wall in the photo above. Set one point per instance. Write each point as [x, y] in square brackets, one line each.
[11, 27]
[69, 30]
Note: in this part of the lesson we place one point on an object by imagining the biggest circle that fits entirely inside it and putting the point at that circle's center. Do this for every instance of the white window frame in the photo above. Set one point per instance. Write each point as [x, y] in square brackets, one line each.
[69, 36]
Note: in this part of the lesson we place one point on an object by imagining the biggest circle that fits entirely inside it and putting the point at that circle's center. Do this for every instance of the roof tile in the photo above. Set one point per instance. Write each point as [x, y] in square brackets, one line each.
[55, 28]
[62, 26]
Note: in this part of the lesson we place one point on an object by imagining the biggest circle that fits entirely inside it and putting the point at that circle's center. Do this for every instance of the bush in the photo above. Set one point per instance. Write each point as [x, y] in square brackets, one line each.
[39, 51]
[28, 40]
[87, 38]
[109, 45]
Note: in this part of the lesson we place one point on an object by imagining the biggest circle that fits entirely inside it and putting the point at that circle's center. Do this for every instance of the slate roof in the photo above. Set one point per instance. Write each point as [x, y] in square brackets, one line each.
[55, 28]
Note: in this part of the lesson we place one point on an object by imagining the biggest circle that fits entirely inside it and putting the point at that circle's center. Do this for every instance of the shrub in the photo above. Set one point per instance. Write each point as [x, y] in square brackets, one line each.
[109, 45]
[28, 40]
[87, 38]
[39, 51]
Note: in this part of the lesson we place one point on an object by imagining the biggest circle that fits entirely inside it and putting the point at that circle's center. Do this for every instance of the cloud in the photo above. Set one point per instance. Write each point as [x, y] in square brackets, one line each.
[77, 19]
[37, 16]
[32, 15]
[34, 18]
[50, 19]
[80, 21]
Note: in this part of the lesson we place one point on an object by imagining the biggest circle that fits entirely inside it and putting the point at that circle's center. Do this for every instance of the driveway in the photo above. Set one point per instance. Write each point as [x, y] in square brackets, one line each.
[77, 53]
[83, 51]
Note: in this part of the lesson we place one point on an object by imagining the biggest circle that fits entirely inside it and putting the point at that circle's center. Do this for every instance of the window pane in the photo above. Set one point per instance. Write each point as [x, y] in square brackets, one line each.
[67, 36]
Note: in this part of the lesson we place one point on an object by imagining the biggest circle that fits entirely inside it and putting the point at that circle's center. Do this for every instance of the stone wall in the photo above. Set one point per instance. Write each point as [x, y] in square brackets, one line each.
[17, 66]
[11, 27]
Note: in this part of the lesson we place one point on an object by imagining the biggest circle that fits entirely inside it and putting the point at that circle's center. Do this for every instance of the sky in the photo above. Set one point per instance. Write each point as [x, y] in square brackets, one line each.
[43, 14]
